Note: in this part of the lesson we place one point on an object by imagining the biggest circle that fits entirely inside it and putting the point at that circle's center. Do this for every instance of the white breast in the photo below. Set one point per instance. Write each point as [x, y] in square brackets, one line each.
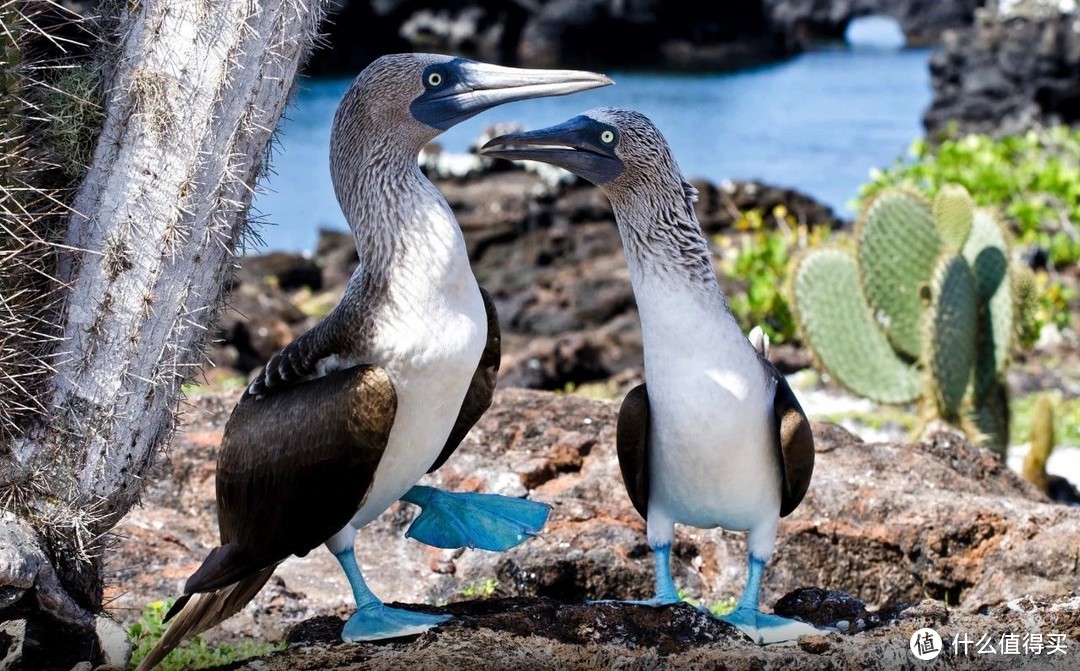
[712, 457]
[432, 331]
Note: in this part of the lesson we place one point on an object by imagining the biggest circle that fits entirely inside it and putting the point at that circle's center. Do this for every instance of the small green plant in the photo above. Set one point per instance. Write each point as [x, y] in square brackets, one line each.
[483, 590]
[924, 310]
[195, 653]
[194, 387]
[759, 258]
[719, 608]
[1034, 177]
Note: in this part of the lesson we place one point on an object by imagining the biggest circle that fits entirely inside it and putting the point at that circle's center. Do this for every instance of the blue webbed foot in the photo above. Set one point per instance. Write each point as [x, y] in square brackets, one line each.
[765, 629]
[466, 519]
[377, 621]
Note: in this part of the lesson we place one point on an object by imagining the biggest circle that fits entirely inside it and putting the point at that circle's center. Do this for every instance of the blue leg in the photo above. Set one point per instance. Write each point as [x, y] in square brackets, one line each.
[373, 620]
[665, 586]
[470, 520]
[762, 628]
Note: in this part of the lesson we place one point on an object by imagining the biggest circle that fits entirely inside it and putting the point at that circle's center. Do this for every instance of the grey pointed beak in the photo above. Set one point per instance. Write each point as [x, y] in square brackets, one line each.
[480, 86]
[574, 145]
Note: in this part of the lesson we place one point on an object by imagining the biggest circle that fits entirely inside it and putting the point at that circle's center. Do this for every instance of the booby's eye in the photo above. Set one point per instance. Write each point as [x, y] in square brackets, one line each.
[434, 79]
[607, 137]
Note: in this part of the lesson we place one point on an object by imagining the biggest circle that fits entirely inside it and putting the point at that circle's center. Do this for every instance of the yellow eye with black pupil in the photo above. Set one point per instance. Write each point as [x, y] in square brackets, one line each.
[434, 79]
[607, 137]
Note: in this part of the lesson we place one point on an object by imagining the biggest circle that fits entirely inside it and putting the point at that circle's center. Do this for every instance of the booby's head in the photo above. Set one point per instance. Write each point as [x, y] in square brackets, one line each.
[620, 151]
[624, 154]
[414, 97]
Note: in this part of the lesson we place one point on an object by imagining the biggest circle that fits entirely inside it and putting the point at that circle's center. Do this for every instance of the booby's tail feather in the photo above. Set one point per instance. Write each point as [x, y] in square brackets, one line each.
[466, 519]
[195, 613]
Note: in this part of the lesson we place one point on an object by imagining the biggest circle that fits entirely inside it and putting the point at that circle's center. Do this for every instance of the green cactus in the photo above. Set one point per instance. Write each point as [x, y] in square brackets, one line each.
[844, 327]
[1042, 443]
[898, 247]
[925, 310]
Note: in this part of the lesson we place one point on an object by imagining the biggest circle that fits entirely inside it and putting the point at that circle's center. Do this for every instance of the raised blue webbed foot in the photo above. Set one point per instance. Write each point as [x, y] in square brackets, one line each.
[766, 629]
[469, 520]
[376, 622]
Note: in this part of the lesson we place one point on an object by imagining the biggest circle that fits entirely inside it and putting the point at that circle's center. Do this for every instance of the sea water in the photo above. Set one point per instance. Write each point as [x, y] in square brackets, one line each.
[818, 123]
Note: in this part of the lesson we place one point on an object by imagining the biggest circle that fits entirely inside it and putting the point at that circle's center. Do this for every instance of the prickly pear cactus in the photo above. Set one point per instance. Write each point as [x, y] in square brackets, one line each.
[924, 310]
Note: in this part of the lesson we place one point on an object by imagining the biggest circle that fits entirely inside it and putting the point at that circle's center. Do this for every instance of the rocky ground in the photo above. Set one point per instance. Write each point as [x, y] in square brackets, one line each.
[939, 525]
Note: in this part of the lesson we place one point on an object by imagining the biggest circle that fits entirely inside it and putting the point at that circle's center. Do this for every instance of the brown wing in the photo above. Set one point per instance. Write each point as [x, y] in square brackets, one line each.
[294, 468]
[481, 389]
[632, 444]
[794, 443]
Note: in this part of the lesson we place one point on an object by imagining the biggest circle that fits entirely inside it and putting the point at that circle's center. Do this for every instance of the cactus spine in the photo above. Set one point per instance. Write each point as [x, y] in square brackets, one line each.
[924, 310]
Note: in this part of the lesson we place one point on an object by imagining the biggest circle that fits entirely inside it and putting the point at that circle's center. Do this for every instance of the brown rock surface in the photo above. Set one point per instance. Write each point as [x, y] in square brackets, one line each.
[543, 634]
[887, 523]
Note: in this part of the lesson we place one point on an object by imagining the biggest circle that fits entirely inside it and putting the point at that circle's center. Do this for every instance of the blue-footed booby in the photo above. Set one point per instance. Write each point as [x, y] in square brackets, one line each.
[343, 421]
[715, 437]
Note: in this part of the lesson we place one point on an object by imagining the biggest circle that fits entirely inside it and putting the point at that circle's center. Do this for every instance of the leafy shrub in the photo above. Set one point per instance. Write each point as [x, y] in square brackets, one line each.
[194, 654]
[1034, 178]
[758, 257]
[925, 309]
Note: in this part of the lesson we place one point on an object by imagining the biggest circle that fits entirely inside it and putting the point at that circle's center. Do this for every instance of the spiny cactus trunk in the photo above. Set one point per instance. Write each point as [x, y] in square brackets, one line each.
[194, 90]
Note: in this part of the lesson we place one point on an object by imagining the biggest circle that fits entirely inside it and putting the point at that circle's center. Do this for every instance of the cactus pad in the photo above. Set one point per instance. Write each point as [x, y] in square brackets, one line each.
[953, 213]
[836, 320]
[898, 245]
[951, 339]
[985, 251]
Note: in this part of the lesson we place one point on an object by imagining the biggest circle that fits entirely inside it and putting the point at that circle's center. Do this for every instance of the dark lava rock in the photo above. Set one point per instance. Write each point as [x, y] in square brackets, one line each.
[1006, 75]
[287, 270]
[803, 22]
[833, 609]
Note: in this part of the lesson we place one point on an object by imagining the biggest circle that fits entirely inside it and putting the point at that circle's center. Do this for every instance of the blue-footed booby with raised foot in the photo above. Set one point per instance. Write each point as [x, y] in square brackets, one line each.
[715, 437]
[344, 421]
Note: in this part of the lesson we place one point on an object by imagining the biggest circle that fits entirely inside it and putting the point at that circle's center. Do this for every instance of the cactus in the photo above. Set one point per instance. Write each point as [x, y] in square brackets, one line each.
[925, 309]
[1042, 443]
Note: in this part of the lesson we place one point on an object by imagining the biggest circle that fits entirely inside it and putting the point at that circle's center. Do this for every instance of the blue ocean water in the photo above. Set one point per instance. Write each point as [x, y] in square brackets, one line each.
[818, 123]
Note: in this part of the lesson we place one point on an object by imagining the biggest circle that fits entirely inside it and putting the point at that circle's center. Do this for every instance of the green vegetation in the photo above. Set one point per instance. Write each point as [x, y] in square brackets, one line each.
[194, 388]
[1034, 178]
[75, 117]
[482, 590]
[719, 608]
[923, 310]
[878, 420]
[194, 654]
[601, 391]
[759, 258]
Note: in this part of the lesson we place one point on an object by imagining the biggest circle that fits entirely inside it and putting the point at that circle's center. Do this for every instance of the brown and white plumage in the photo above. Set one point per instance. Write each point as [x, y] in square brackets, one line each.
[345, 419]
[715, 437]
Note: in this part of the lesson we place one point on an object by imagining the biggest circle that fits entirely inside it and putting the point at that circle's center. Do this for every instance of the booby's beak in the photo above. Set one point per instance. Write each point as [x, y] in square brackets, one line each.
[460, 89]
[582, 145]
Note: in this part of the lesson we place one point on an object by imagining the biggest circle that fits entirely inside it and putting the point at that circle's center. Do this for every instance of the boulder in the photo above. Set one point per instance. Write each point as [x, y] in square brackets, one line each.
[803, 22]
[1010, 72]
